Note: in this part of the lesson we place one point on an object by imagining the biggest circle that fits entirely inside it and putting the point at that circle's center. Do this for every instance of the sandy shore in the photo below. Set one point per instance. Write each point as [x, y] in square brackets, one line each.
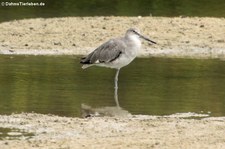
[137, 131]
[176, 37]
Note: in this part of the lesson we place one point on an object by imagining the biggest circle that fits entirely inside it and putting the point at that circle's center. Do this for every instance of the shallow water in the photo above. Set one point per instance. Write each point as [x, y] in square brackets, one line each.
[12, 134]
[156, 86]
[52, 8]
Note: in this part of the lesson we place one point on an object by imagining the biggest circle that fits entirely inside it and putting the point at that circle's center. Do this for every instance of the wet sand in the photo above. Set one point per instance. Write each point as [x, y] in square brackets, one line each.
[176, 37]
[137, 131]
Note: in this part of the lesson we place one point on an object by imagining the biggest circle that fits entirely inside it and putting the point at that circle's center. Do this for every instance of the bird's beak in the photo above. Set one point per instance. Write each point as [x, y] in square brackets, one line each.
[145, 38]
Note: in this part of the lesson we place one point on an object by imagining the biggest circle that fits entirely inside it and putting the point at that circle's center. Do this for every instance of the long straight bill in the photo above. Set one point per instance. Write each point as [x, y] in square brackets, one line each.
[145, 38]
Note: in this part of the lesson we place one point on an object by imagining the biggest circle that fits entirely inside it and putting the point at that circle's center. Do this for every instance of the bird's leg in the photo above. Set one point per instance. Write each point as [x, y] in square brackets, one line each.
[116, 88]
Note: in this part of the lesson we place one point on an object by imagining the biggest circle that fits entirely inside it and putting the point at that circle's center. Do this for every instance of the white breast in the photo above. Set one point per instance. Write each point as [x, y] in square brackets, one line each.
[135, 40]
[135, 44]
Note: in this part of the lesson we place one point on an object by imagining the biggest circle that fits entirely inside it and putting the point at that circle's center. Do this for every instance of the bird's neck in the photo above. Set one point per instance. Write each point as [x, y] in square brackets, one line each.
[134, 40]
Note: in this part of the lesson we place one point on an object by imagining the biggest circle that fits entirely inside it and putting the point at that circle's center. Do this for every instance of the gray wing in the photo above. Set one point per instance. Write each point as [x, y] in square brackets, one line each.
[107, 52]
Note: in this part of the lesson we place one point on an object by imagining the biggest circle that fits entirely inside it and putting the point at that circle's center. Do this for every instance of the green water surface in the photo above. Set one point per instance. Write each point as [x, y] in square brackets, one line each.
[154, 86]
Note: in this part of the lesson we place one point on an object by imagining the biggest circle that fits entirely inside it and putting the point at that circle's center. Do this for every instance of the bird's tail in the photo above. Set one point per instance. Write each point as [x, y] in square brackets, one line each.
[86, 66]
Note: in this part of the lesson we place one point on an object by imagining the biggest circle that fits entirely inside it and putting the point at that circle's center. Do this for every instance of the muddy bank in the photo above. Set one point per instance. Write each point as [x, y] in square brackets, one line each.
[137, 131]
[176, 37]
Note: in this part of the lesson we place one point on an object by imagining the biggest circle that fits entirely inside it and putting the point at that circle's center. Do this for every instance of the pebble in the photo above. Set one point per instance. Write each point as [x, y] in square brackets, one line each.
[220, 40]
[57, 43]
[183, 16]
[105, 18]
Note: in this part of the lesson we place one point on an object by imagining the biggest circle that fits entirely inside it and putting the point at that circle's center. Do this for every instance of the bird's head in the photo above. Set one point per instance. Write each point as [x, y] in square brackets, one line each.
[135, 32]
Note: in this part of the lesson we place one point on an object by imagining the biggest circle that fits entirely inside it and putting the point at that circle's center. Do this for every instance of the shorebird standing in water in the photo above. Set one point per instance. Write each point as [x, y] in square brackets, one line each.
[116, 53]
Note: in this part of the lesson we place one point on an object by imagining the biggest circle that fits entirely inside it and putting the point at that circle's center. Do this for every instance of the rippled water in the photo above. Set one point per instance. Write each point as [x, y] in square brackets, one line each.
[156, 86]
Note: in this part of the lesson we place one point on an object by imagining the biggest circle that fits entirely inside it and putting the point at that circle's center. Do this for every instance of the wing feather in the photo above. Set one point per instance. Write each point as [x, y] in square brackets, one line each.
[105, 53]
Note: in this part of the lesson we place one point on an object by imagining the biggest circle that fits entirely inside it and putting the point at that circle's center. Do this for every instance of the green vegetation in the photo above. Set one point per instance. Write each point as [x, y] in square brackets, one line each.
[53, 8]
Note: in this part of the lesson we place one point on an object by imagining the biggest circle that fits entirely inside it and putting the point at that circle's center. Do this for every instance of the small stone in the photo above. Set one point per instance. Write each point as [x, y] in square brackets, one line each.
[103, 27]
[74, 45]
[183, 16]
[220, 40]
[31, 28]
[181, 32]
[26, 45]
[157, 143]
[105, 18]
[57, 43]
[202, 26]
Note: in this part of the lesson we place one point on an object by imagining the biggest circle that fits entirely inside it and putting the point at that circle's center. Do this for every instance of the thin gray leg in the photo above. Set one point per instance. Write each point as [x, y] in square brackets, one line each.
[116, 88]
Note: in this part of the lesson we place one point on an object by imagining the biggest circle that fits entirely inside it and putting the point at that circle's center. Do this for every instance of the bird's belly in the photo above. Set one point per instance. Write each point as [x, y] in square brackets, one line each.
[122, 61]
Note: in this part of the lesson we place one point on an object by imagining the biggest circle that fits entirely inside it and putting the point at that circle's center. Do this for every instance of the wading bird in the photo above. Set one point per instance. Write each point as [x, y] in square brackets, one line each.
[116, 53]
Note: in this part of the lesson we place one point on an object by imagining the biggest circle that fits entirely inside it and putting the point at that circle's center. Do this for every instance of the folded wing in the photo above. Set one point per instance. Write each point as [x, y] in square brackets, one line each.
[107, 52]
